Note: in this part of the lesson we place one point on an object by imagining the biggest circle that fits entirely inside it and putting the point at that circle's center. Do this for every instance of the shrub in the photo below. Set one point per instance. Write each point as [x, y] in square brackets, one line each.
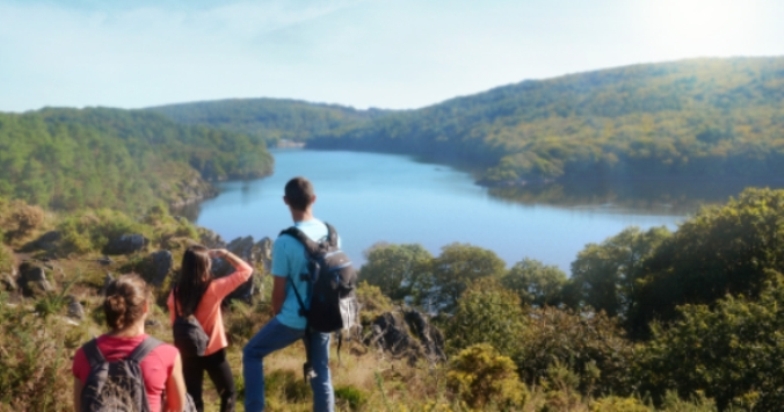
[6, 259]
[349, 396]
[480, 377]
[21, 220]
[591, 345]
[90, 231]
[487, 313]
[34, 360]
[372, 302]
[618, 404]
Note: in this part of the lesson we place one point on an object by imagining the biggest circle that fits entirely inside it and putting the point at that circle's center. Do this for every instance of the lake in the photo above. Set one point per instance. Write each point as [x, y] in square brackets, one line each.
[374, 198]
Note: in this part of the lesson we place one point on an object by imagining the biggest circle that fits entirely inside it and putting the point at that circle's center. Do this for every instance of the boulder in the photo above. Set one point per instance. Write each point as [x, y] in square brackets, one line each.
[407, 334]
[152, 323]
[211, 239]
[264, 247]
[162, 263]
[32, 279]
[48, 242]
[126, 244]
[106, 281]
[75, 308]
[245, 248]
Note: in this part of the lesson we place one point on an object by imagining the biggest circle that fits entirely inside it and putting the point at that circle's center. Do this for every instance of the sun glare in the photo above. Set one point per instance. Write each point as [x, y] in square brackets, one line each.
[686, 28]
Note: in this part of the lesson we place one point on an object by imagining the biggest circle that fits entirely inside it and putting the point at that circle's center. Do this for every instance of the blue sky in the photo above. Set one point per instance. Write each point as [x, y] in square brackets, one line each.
[362, 53]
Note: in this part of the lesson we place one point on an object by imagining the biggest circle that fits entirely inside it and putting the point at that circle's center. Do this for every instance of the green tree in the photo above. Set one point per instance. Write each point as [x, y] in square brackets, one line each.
[457, 266]
[535, 283]
[604, 275]
[732, 352]
[400, 271]
[487, 313]
[722, 250]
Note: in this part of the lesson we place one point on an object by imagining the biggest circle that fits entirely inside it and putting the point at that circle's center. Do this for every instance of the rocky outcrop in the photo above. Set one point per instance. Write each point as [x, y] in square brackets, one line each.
[32, 279]
[254, 254]
[47, 242]
[211, 239]
[407, 334]
[161, 263]
[126, 244]
[75, 308]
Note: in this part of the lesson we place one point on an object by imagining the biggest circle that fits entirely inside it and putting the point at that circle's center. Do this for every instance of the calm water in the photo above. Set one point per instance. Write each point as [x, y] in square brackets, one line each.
[374, 198]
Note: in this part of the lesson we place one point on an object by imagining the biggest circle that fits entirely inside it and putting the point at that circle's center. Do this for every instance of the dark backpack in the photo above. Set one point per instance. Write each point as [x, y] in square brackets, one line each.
[189, 336]
[332, 280]
[117, 385]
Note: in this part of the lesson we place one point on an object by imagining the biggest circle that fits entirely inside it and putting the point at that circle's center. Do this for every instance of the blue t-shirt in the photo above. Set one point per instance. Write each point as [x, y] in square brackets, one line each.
[289, 258]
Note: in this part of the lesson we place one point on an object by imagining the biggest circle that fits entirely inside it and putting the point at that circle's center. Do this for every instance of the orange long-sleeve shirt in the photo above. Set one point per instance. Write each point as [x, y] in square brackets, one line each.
[209, 310]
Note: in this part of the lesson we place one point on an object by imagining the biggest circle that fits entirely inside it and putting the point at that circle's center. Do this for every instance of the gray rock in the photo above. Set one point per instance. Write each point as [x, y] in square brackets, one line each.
[264, 247]
[407, 334]
[48, 242]
[162, 263]
[249, 252]
[32, 279]
[212, 240]
[126, 244]
[75, 308]
[106, 281]
[152, 323]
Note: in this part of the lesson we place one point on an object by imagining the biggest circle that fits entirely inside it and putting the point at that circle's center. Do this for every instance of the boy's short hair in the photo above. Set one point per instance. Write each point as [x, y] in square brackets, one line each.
[299, 193]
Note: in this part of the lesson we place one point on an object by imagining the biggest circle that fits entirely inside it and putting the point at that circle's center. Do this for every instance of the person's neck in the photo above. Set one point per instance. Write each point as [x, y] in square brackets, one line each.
[301, 215]
[134, 330]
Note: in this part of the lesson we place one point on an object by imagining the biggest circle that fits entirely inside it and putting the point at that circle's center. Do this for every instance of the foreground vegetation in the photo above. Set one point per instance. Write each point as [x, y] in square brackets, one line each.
[526, 337]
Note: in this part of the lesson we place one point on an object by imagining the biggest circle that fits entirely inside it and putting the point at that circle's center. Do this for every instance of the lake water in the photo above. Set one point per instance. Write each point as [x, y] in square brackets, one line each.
[374, 198]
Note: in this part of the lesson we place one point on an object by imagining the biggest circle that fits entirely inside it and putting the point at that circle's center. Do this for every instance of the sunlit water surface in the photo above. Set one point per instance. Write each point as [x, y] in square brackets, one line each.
[374, 198]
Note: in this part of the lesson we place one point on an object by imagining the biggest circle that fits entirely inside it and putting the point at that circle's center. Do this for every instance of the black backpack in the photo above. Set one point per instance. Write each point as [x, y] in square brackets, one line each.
[332, 280]
[118, 385]
[189, 336]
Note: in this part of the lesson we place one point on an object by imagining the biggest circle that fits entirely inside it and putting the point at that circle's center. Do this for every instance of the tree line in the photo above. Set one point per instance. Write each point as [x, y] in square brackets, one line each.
[128, 160]
[705, 118]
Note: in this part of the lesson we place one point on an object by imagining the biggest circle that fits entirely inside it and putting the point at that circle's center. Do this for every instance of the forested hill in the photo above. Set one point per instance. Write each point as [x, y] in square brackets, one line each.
[126, 160]
[696, 118]
[270, 120]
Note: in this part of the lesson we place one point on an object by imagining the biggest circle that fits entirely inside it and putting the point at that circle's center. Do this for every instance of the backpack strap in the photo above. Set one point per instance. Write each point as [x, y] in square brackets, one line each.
[332, 235]
[144, 349]
[93, 354]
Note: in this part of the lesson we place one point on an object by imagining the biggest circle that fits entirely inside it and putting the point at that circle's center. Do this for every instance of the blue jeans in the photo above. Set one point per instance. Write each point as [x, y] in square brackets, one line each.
[274, 336]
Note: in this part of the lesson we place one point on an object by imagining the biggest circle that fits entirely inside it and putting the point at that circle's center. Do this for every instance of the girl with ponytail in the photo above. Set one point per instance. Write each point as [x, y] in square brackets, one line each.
[197, 293]
[126, 304]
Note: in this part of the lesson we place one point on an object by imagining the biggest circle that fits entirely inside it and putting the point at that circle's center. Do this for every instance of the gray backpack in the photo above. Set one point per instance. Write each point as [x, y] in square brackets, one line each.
[117, 385]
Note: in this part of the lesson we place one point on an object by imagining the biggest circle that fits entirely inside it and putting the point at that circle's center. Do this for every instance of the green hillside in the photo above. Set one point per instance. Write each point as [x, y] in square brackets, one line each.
[127, 160]
[270, 120]
[697, 118]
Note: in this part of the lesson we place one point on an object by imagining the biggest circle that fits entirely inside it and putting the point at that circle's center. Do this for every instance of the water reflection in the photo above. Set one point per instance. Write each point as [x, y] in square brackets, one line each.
[655, 196]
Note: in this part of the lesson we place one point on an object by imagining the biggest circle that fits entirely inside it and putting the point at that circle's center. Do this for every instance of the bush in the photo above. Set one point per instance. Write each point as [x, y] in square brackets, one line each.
[480, 377]
[590, 345]
[350, 397]
[35, 360]
[6, 259]
[21, 220]
[372, 303]
[487, 313]
[90, 231]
